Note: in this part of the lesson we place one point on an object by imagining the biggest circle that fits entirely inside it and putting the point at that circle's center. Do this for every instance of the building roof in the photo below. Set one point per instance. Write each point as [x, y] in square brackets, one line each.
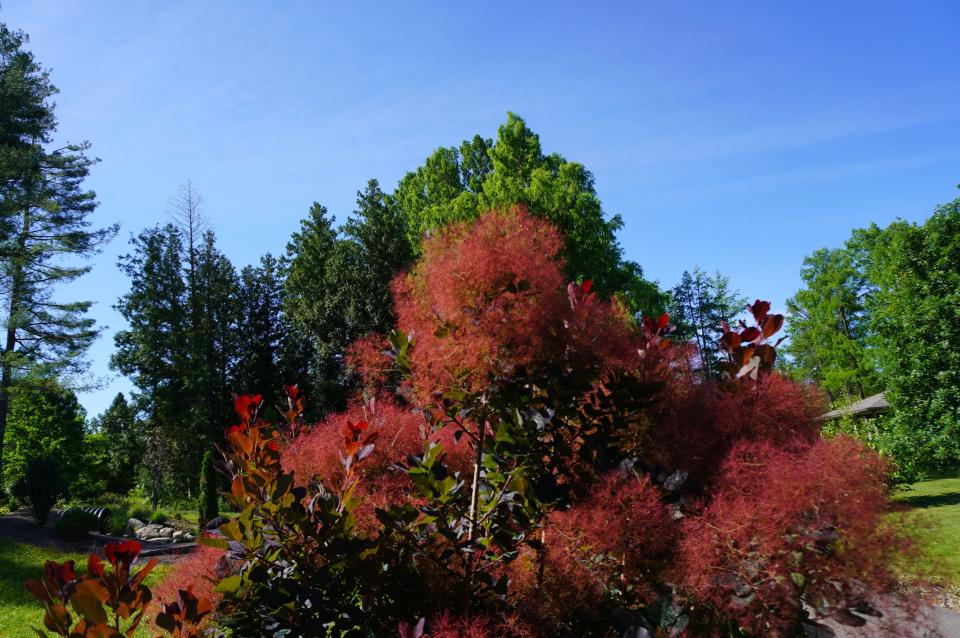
[876, 404]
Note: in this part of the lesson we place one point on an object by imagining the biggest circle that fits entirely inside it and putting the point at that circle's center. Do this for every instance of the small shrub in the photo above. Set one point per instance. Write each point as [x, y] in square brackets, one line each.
[75, 524]
[159, 517]
[42, 483]
[141, 513]
[117, 524]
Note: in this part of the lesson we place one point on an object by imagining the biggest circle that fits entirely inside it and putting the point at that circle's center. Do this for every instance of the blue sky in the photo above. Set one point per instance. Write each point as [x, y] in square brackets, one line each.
[733, 136]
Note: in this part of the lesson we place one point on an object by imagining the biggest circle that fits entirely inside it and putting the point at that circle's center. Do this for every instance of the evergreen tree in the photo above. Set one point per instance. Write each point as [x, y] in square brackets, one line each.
[698, 307]
[44, 213]
[212, 350]
[338, 285]
[377, 229]
[310, 302]
[152, 351]
[261, 331]
[182, 342]
[208, 501]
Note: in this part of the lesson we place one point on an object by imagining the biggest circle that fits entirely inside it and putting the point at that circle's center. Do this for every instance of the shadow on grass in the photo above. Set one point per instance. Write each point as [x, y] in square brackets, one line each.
[933, 500]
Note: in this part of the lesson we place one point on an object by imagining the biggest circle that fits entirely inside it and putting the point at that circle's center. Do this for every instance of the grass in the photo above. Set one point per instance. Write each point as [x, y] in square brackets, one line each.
[936, 507]
[18, 610]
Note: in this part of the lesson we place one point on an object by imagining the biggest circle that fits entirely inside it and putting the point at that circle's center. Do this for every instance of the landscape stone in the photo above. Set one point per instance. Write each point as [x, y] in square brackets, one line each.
[215, 523]
[134, 524]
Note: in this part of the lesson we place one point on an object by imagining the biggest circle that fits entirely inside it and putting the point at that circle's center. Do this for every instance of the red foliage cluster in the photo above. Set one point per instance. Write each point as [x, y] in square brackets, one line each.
[316, 452]
[696, 423]
[368, 357]
[621, 536]
[199, 570]
[489, 299]
[400, 432]
[445, 625]
[788, 525]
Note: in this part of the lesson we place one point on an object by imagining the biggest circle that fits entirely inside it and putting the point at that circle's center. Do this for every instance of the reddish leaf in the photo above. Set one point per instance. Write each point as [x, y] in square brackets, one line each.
[663, 321]
[767, 355]
[730, 341]
[95, 566]
[759, 309]
[246, 405]
[771, 324]
[57, 619]
[122, 553]
[143, 573]
[59, 575]
[743, 354]
[36, 588]
[86, 602]
[750, 334]
[586, 286]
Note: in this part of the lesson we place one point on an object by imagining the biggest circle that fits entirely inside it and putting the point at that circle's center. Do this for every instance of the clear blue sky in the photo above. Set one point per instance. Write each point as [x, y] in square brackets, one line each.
[733, 136]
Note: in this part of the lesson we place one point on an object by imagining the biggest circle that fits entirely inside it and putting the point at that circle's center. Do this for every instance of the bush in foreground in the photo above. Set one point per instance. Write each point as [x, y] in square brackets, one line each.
[546, 467]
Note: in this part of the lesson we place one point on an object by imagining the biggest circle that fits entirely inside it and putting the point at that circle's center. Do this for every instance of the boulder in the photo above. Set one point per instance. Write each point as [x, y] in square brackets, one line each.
[166, 532]
[133, 524]
[215, 523]
[178, 534]
[148, 531]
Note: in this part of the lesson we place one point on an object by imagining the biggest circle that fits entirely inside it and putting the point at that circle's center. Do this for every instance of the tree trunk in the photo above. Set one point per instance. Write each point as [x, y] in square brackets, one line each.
[6, 378]
[472, 514]
[6, 375]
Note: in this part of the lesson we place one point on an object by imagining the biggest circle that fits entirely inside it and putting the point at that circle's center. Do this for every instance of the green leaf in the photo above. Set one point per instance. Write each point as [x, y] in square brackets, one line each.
[228, 585]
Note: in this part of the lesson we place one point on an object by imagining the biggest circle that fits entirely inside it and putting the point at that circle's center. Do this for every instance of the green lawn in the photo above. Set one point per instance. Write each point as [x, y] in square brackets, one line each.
[18, 610]
[936, 505]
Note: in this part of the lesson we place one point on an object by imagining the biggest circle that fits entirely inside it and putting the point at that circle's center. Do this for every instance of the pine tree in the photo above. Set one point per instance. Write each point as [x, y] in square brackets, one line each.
[309, 300]
[152, 351]
[698, 306]
[44, 220]
[268, 357]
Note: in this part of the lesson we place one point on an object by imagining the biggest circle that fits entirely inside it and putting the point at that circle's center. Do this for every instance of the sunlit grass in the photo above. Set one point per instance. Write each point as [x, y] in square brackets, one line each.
[18, 610]
[936, 504]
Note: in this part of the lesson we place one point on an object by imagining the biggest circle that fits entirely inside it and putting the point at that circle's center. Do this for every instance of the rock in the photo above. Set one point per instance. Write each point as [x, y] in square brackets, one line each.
[177, 535]
[166, 532]
[134, 524]
[189, 537]
[675, 481]
[148, 531]
[158, 539]
[215, 523]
